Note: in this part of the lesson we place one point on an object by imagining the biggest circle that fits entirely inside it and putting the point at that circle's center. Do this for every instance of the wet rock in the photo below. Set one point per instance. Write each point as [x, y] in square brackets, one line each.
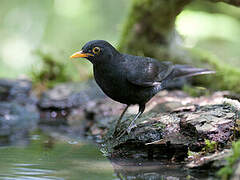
[214, 161]
[173, 124]
[176, 132]
[18, 112]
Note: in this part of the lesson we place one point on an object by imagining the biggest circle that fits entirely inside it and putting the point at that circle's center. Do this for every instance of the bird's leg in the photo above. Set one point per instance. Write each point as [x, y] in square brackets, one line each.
[133, 124]
[120, 118]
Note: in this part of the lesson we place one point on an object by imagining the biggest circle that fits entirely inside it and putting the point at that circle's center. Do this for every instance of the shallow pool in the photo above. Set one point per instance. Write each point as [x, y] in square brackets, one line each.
[57, 157]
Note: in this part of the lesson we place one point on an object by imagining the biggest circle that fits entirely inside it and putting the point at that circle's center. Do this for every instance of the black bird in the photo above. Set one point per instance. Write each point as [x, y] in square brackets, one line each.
[131, 79]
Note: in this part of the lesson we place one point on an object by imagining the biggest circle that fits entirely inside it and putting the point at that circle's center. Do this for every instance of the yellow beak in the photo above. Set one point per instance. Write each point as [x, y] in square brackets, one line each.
[80, 54]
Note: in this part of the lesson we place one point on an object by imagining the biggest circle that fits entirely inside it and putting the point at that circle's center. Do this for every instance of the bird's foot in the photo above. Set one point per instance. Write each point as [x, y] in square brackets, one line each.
[116, 132]
[130, 128]
[120, 134]
[127, 131]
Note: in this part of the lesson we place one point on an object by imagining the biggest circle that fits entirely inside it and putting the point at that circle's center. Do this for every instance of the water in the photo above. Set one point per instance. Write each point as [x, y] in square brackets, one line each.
[46, 158]
[60, 157]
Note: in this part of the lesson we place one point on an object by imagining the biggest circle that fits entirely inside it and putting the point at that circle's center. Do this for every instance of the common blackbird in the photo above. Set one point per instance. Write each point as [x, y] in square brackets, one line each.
[131, 79]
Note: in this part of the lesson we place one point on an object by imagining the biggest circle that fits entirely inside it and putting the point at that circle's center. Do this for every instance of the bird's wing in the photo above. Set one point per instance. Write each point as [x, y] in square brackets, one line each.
[147, 72]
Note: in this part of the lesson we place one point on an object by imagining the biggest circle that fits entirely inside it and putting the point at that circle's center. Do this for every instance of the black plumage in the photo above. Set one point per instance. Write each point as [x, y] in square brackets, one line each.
[131, 79]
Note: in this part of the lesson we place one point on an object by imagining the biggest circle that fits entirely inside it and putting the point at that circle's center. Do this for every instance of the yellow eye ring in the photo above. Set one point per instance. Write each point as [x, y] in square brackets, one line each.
[96, 50]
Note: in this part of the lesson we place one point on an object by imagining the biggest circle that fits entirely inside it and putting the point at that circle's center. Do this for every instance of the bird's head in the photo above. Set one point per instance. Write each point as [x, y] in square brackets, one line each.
[97, 51]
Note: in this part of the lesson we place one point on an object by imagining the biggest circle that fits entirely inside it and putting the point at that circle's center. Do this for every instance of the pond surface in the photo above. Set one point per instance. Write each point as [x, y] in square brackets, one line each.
[47, 158]
[62, 158]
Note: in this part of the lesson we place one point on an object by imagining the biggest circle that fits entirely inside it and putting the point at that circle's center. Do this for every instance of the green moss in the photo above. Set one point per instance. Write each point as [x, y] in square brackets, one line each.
[193, 154]
[51, 71]
[227, 171]
[196, 91]
[160, 125]
[210, 146]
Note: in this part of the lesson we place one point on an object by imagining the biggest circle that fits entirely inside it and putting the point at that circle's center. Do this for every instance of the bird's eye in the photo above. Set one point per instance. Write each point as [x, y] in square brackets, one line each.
[96, 50]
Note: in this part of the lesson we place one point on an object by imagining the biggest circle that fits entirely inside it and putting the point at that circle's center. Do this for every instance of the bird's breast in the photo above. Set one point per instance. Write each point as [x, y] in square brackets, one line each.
[112, 80]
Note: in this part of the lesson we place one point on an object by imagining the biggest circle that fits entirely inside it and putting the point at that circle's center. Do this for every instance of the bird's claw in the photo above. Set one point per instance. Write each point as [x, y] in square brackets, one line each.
[115, 133]
[128, 131]
[121, 134]
[130, 128]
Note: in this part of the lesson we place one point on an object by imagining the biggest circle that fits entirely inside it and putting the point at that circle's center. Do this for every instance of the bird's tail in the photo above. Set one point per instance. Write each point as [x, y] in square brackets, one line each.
[188, 71]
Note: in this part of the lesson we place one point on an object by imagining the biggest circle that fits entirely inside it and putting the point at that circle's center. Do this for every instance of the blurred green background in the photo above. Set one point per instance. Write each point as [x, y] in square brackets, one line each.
[38, 36]
[35, 30]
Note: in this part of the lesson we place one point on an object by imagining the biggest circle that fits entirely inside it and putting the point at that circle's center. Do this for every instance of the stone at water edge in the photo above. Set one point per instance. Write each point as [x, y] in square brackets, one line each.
[70, 95]
[18, 111]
